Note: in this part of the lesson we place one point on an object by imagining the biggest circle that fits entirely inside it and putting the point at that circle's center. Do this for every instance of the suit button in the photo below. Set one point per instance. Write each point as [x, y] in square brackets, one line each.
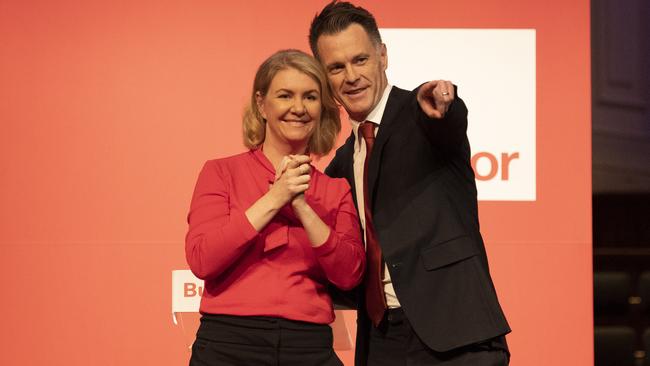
[395, 265]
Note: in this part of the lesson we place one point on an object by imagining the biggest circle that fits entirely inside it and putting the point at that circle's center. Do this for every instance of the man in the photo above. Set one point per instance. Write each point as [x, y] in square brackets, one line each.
[427, 298]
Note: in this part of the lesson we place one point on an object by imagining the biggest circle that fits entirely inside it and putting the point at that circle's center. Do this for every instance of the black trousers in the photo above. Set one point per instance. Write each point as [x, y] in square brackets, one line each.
[394, 343]
[246, 340]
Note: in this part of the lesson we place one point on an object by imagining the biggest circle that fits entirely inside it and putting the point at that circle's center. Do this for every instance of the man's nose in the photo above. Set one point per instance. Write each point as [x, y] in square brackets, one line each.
[351, 75]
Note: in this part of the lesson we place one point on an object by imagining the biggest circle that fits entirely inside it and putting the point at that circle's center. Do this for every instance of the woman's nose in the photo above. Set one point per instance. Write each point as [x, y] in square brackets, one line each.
[298, 106]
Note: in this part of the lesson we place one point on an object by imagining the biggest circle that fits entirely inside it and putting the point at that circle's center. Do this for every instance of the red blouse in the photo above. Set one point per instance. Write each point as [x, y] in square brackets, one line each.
[275, 272]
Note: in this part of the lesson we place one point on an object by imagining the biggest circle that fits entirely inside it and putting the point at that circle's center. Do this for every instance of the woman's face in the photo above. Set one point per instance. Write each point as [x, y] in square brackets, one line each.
[292, 108]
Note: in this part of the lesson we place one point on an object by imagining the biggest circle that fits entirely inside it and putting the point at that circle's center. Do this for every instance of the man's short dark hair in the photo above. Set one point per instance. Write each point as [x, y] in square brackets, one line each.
[337, 17]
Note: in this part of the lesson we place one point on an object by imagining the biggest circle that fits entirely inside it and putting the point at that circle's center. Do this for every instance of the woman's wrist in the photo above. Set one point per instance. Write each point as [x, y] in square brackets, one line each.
[299, 203]
[317, 230]
[274, 199]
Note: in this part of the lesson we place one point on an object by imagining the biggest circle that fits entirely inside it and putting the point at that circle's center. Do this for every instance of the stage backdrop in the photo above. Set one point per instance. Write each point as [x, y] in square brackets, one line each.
[109, 109]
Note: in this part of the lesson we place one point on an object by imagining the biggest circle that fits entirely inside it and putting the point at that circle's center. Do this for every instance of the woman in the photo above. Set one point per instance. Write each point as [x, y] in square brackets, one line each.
[268, 232]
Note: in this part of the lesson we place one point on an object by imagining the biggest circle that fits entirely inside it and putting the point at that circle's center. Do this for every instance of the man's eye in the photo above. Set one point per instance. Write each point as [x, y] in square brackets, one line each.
[336, 69]
[362, 60]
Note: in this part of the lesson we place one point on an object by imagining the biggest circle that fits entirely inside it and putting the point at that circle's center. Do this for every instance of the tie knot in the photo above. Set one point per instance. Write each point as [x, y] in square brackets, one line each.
[367, 130]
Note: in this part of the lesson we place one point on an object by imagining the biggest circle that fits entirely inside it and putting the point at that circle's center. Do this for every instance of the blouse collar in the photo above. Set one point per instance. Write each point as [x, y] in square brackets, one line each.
[263, 160]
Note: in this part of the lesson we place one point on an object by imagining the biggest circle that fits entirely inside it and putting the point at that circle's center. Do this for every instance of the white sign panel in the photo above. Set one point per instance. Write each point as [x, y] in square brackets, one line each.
[186, 292]
[494, 70]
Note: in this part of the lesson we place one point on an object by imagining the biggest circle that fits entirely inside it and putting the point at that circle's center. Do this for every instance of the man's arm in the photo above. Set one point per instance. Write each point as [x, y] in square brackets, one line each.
[442, 115]
[336, 168]
[435, 98]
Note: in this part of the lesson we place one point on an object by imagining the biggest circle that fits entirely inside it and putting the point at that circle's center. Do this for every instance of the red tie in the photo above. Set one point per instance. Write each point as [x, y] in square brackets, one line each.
[375, 298]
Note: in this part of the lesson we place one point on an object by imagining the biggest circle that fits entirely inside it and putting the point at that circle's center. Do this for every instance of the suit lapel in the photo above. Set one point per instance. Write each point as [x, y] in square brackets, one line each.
[396, 100]
[345, 160]
[349, 165]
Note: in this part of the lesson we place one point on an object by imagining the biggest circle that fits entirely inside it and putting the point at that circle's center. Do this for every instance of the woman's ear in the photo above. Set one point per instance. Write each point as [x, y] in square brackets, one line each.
[260, 103]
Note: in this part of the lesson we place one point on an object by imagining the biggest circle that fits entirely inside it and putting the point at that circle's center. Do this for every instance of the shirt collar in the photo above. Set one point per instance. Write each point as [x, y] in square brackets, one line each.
[375, 115]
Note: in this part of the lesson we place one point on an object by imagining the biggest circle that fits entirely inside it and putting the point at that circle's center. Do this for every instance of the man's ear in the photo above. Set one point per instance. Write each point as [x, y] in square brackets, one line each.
[383, 56]
[259, 99]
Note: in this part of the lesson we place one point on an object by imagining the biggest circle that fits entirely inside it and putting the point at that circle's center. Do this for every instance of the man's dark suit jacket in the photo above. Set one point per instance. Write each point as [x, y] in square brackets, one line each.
[423, 199]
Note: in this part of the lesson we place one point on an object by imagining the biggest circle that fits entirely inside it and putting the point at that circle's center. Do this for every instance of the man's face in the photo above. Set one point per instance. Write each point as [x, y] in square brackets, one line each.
[356, 69]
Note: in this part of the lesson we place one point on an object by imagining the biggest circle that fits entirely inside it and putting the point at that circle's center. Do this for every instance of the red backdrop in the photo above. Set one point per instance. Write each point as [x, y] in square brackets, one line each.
[108, 110]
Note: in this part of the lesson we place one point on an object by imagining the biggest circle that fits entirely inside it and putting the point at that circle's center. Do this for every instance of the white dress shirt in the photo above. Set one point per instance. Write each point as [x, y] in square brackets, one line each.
[359, 158]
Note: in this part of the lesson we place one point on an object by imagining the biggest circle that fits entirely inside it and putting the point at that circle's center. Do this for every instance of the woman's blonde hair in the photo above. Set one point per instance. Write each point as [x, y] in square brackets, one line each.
[325, 132]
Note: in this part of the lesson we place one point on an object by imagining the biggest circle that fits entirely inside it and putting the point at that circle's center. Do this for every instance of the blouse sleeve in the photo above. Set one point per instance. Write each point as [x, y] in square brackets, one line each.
[216, 236]
[342, 256]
